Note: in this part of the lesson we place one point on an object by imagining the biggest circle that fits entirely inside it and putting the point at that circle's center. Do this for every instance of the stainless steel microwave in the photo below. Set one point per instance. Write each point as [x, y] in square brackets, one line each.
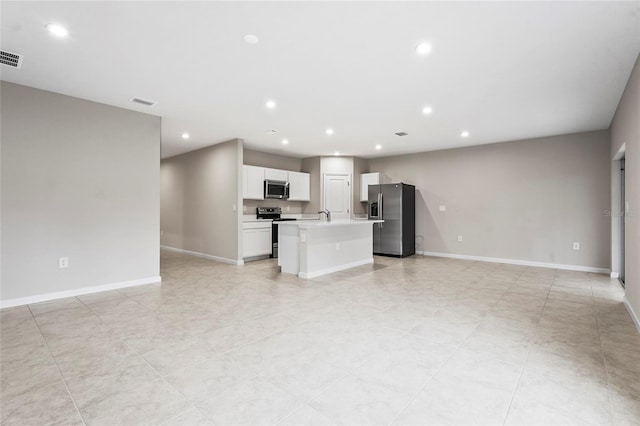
[276, 189]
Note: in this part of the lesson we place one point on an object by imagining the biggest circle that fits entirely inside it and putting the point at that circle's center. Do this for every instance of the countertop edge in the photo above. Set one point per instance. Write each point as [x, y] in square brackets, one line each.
[324, 223]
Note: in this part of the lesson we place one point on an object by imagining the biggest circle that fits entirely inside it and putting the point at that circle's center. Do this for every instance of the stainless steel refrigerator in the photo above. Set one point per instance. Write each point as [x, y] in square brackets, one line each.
[395, 203]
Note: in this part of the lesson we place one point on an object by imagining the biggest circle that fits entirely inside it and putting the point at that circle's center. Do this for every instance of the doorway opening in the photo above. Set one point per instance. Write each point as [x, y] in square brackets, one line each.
[621, 218]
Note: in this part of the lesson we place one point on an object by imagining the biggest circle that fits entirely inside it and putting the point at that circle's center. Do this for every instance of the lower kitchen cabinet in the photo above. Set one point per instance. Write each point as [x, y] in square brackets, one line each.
[256, 239]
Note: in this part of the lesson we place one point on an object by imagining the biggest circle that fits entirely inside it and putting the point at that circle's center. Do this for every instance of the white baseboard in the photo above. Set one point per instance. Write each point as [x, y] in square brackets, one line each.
[315, 274]
[203, 255]
[614, 275]
[634, 317]
[77, 292]
[518, 262]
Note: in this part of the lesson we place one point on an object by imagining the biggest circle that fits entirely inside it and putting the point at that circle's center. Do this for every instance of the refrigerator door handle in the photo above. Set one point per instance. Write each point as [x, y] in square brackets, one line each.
[380, 214]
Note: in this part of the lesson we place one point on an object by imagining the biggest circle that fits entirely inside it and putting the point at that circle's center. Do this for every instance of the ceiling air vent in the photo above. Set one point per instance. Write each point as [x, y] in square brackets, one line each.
[11, 59]
[142, 101]
[401, 133]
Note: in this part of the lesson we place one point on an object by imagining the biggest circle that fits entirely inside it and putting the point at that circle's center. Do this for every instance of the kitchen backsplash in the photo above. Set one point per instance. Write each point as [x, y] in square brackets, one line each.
[288, 207]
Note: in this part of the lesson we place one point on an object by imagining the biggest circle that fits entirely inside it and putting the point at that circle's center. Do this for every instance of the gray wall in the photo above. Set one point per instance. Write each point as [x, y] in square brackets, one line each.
[274, 161]
[524, 200]
[625, 130]
[79, 179]
[199, 191]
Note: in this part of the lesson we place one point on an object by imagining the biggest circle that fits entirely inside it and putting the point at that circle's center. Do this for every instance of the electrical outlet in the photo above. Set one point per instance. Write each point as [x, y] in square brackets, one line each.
[244, 207]
[63, 262]
[234, 208]
[288, 208]
[338, 246]
[576, 246]
[459, 238]
[443, 208]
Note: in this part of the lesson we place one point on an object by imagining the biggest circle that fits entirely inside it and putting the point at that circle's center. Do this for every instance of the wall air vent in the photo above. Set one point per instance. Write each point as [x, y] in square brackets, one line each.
[401, 133]
[13, 60]
[142, 101]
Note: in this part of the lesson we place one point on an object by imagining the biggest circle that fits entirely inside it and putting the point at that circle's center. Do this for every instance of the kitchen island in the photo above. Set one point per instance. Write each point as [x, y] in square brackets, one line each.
[310, 248]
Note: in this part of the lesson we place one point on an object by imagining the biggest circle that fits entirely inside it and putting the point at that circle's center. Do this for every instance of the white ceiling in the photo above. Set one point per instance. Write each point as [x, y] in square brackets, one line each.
[501, 70]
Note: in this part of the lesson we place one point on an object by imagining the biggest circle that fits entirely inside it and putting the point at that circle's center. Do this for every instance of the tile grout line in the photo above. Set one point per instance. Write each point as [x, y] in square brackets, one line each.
[163, 379]
[64, 380]
[411, 400]
[606, 365]
[415, 397]
[124, 342]
[429, 379]
[524, 365]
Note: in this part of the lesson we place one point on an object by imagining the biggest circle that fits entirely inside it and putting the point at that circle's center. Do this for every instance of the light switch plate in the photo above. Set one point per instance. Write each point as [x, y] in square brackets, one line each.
[443, 208]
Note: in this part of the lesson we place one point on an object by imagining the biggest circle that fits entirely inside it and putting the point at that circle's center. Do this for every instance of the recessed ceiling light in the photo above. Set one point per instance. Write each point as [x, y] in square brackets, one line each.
[270, 104]
[336, 153]
[427, 110]
[423, 48]
[378, 146]
[329, 131]
[186, 136]
[464, 134]
[285, 141]
[251, 39]
[57, 30]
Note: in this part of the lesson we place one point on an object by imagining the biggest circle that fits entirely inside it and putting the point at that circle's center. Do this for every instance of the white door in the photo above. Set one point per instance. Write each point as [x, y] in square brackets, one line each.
[337, 195]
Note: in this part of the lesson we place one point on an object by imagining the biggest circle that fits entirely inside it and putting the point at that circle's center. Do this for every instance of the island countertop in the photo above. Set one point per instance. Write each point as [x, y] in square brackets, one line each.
[323, 223]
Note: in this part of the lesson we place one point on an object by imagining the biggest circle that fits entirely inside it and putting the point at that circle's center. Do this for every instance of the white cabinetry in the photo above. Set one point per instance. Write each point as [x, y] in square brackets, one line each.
[367, 179]
[253, 178]
[253, 182]
[299, 186]
[275, 174]
[256, 239]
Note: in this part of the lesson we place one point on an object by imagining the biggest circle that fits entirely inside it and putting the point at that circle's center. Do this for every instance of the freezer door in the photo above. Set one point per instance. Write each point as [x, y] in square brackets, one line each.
[391, 229]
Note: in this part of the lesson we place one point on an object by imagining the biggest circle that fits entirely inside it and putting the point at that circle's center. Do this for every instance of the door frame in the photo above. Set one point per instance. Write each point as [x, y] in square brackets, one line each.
[616, 214]
[324, 190]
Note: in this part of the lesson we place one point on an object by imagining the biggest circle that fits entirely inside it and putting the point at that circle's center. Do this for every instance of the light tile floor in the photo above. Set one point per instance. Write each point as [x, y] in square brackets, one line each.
[405, 341]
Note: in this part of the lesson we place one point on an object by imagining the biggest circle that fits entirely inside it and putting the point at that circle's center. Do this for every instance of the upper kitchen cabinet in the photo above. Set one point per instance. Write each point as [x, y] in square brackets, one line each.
[367, 179]
[299, 186]
[253, 182]
[275, 174]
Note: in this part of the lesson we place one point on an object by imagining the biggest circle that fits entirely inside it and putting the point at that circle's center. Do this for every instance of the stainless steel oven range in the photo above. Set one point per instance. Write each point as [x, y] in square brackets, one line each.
[274, 213]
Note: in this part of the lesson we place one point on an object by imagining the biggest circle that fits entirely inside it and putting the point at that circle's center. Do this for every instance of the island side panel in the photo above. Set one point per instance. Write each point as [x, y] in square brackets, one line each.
[334, 248]
[288, 248]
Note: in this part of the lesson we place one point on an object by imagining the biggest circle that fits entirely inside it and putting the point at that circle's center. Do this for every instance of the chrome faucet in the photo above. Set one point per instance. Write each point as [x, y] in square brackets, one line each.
[327, 212]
